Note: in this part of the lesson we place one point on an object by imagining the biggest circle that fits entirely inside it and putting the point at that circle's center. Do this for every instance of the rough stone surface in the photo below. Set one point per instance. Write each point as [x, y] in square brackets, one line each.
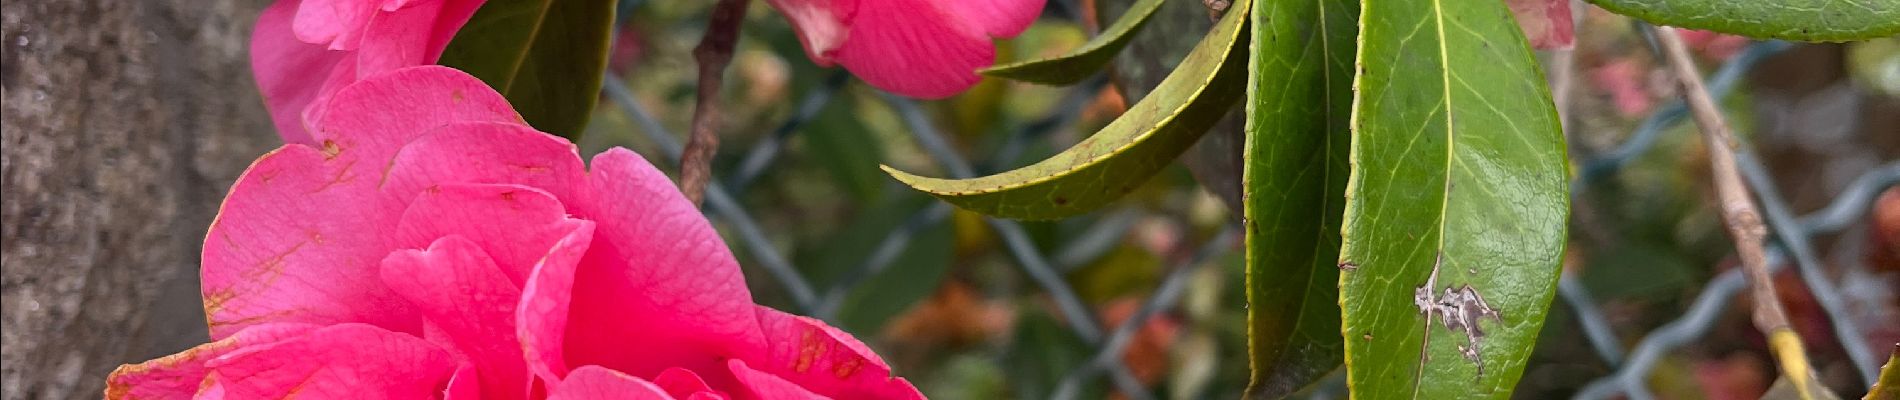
[124, 121]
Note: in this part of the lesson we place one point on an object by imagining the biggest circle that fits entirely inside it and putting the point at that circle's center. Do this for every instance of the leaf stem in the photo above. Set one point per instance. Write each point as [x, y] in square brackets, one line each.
[1740, 214]
[713, 54]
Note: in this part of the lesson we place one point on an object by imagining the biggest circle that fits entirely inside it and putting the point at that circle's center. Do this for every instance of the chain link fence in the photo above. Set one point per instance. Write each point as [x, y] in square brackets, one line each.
[1791, 233]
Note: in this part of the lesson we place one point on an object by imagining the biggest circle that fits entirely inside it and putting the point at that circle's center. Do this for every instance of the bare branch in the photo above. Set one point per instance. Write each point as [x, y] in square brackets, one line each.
[1741, 215]
[714, 53]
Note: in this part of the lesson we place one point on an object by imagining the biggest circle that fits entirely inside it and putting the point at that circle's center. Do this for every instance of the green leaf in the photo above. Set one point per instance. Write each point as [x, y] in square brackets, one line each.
[1122, 155]
[1298, 113]
[1806, 20]
[841, 143]
[1072, 67]
[914, 275]
[1042, 353]
[546, 56]
[1457, 202]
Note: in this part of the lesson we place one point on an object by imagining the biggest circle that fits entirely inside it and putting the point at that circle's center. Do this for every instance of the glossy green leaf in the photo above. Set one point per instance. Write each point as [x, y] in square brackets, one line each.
[1298, 112]
[1116, 160]
[1455, 210]
[546, 56]
[1078, 64]
[1808, 20]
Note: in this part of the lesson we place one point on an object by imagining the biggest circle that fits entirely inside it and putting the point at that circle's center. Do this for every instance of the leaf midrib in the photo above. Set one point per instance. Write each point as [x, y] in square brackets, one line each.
[1444, 204]
[1326, 171]
[521, 58]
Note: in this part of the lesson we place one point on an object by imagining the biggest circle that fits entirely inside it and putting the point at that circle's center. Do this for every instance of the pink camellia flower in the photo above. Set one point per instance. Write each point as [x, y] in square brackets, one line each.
[432, 245]
[1546, 23]
[918, 48]
[303, 50]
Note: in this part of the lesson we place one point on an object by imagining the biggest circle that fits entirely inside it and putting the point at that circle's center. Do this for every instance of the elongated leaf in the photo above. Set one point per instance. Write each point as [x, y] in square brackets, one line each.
[1215, 160]
[546, 56]
[1072, 67]
[1456, 207]
[1808, 20]
[1298, 132]
[1122, 155]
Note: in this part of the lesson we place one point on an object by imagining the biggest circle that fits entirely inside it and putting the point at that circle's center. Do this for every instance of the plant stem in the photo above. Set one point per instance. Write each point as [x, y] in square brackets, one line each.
[714, 53]
[1741, 215]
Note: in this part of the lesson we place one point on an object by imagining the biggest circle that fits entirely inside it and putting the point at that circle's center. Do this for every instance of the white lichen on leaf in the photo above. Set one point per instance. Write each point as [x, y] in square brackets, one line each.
[1458, 309]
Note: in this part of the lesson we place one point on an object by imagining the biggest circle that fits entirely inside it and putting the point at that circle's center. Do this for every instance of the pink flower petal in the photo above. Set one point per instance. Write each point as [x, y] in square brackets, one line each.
[657, 274]
[402, 38]
[541, 318]
[305, 50]
[178, 376]
[998, 18]
[284, 66]
[826, 360]
[765, 386]
[684, 384]
[515, 225]
[1546, 23]
[303, 216]
[914, 48]
[821, 25]
[485, 152]
[593, 382]
[918, 48]
[454, 15]
[298, 240]
[378, 115]
[341, 361]
[462, 293]
[335, 23]
[465, 384]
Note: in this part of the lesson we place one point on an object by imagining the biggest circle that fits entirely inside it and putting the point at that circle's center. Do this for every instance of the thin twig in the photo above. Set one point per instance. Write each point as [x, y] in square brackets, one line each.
[714, 53]
[1789, 234]
[1740, 214]
[1707, 307]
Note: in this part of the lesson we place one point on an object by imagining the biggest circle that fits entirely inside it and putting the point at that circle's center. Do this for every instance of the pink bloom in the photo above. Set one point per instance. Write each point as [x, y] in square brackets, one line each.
[1625, 81]
[1546, 23]
[918, 48]
[1713, 45]
[304, 50]
[431, 244]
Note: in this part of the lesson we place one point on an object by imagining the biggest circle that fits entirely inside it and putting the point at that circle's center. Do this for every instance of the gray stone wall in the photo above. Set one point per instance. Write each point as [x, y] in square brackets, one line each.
[123, 123]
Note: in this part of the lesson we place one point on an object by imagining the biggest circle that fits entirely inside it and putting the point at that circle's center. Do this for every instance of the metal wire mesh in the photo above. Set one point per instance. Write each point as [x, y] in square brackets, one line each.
[1791, 233]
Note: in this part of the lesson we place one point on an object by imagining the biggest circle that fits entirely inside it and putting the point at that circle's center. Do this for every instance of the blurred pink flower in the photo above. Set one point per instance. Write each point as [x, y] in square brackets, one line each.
[303, 50]
[431, 244]
[917, 48]
[1546, 23]
[1624, 79]
[1712, 45]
